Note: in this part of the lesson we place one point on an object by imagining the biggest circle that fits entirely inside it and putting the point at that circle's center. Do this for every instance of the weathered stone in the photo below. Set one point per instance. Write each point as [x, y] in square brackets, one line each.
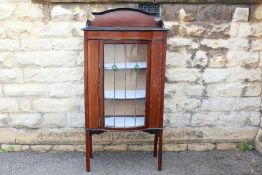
[64, 148]
[244, 29]
[21, 29]
[175, 147]
[12, 148]
[183, 89]
[63, 136]
[75, 120]
[177, 119]
[34, 12]
[183, 16]
[192, 29]
[6, 10]
[241, 14]
[226, 146]
[65, 89]
[25, 120]
[182, 75]
[182, 42]
[248, 104]
[217, 30]
[253, 89]
[55, 105]
[242, 58]
[243, 75]
[41, 148]
[33, 44]
[9, 45]
[217, 104]
[231, 75]
[2, 33]
[57, 58]
[178, 11]
[25, 104]
[256, 29]
[226, 119]
[121, 147]
[214, 13]
[233, 43]
[11, 75]
[53, 74]
[217, 59]
[201, 147]
[178, 59]
[7, 136]
[9, 104]
[80, 58]
[140, 147]
[7, 60]
[256, 45]
[214, 75]
[24, 89]
[3, 121]
[60, 13]
[130, 137]
[258, 141]
[64, 29]
[184, 104]
[225, 90]
[70, 44]
[258, 12]
[200, 59]
[233, 89]
[54, 120]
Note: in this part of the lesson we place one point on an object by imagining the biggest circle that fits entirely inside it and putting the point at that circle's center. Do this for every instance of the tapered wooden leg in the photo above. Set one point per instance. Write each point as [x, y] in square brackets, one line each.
[160, 150]
[91, 147]
[88, 141]
[155, 145]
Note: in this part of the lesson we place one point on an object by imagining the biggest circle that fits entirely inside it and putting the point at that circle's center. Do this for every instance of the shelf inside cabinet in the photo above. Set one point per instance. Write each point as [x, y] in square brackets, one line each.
[125, 94]
[124, 121]
[130, 65]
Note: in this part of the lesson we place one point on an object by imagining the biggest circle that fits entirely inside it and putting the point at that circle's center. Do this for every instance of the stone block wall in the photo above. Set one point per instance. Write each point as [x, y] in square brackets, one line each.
[213, 77]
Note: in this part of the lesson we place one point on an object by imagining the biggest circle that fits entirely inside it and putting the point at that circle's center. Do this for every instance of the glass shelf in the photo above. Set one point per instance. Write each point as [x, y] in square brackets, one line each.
[124, 121]
[125, 94]
[130, 65]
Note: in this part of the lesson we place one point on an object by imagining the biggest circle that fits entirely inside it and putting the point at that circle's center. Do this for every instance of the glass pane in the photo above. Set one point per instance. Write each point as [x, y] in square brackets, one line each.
[125, 69]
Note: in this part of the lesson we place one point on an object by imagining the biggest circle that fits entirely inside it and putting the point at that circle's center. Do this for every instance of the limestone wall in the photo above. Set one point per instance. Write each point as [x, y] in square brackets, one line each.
[213, 77]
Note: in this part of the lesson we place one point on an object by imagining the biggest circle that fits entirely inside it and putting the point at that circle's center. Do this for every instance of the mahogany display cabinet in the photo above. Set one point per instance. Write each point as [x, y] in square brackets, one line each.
[124, 73]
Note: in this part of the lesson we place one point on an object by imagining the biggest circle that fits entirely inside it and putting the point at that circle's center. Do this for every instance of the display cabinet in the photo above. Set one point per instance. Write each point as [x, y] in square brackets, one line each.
[124, 73]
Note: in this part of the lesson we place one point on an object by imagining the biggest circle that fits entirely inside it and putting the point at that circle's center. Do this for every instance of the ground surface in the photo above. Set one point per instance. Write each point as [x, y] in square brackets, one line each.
[132, 163]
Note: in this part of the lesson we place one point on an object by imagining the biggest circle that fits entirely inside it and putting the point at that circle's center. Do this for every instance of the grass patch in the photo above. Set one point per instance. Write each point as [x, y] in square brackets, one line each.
[246, 146]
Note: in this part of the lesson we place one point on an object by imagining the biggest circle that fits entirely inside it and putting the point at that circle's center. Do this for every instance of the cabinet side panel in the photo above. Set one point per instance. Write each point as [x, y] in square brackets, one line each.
[164, 47]
[156, 85]
[93, 83]
[86, 80]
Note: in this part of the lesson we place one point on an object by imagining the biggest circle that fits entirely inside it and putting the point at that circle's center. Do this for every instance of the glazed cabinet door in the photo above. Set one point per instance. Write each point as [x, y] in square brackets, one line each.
[125, 71]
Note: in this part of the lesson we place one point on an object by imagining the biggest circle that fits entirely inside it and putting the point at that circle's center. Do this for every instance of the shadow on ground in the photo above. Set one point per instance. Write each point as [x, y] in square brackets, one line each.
[132, 163]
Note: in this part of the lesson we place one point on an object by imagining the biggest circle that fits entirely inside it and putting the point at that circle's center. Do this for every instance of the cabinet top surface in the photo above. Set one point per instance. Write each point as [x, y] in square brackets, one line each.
[124, 19]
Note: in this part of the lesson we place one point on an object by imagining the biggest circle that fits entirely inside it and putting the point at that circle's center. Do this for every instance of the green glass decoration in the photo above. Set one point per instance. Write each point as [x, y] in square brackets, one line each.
[136, 67]
[114, 68]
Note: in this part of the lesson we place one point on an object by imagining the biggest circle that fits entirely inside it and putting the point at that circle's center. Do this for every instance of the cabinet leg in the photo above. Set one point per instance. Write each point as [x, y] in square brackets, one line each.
[88, 141]
[91, 147]
[160, 150]
[155, 145]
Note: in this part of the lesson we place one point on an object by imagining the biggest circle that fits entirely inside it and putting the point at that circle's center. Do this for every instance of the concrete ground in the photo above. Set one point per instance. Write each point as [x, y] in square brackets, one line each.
[132, 163]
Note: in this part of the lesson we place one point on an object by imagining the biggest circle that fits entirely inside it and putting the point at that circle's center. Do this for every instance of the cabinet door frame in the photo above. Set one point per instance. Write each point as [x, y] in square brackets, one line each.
[101, 81]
